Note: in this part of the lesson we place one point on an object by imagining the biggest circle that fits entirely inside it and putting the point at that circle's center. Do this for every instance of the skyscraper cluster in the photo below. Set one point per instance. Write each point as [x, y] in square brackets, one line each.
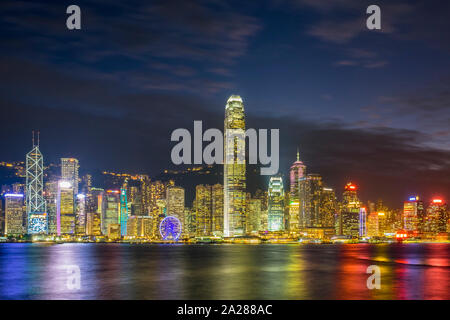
[69, 206]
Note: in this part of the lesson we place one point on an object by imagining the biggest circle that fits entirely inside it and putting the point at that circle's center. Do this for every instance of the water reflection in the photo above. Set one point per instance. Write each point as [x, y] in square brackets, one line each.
[123, 271]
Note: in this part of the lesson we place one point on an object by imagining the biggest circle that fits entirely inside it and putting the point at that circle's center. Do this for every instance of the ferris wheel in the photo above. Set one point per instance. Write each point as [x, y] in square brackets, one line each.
[170, 228]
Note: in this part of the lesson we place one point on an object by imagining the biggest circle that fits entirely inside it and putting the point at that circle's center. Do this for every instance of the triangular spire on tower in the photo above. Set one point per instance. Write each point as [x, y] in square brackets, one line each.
[298, 155]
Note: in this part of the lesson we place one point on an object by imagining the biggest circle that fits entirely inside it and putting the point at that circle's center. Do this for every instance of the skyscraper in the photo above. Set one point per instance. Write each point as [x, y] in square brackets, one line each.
[50, 195]
[69, 172]
[111, 211]
[296, 172]
[310, 192]
[413, 215]
[80, 215]
[253, 215]
[234, 168]
[175, 203]
[203, 210]
[94, 206]
[348, 219]
[362, 222]
[123, 212]
[35, 203]
[437, 217]
[217, 209]
[14, 214]
[65, 209]
[276, 204]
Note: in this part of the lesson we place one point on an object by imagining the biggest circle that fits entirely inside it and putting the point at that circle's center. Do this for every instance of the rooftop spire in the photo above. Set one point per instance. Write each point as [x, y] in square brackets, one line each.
[298, 155]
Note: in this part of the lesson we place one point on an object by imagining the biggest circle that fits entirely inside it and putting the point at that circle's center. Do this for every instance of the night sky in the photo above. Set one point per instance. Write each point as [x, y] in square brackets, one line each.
[367, 106]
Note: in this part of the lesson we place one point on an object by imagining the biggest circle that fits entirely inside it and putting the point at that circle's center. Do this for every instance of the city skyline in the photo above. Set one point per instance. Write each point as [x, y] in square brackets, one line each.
[286, 175]
[159, 211]
[351, 98]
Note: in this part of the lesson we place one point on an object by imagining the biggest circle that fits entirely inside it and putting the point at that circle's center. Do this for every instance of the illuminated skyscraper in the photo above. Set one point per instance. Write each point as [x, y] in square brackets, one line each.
[175, 203]
[65, 209]
[263, 196]
[69, 172]
[111, 212]
[297, 172]
[372, 224]
[276, 204]
[123, 212]
[234, 168]
[203, 210]
[328, 208]
[253, 215]
[217, 209]
[94, 206]
[80, 215]
[347, 220]
[437, 217]
[35, 203]
[413, 214]
[310, 193]
[362, 222]
[14, 214]
[50, 195]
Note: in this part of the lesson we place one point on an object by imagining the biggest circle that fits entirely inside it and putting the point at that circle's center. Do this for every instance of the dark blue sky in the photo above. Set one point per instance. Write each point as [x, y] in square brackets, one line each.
[362, 105]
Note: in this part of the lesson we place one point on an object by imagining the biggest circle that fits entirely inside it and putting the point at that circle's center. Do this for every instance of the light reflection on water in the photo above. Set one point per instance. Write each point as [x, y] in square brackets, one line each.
[122, 271]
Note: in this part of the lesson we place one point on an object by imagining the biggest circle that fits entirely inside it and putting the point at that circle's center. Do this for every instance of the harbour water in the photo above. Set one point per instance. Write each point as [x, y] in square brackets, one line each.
[225, 271]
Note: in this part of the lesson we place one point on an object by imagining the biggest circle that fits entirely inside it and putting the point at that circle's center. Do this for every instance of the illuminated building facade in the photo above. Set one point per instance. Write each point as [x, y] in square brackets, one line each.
[310, 195]
[35, 202]
[175, 202]
[372, 224]
[69, 172]
[14, 214]
[65, 209]
[217, 210]
[263, 196]
[296, 172]
[328, 208]
[139, 227]
[276, 204]
[253, 215]
[234, 168]
[413, 215]
[347, 220]
[189, 222]
[111, 210]
[437, 217]
[123, 212]
[113, 231]
[50, 196]
[94, 205]
[362, 222]
[80, 214]
[203, 210]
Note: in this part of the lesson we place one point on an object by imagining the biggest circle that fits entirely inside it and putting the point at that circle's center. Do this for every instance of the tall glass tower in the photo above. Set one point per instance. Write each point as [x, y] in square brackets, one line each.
[36, 214]
[276, 204]
[234, 168]
[296, 172]
[69, 172]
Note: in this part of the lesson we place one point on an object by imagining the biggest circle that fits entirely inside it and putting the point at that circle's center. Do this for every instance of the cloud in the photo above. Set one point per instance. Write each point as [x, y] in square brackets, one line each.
[338, 32]
[174, 41]
[376, 64]
[346, 63]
